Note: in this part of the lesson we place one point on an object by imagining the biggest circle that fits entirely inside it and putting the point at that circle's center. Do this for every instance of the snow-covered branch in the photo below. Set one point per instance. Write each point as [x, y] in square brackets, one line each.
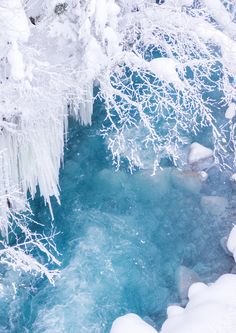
[164, 72]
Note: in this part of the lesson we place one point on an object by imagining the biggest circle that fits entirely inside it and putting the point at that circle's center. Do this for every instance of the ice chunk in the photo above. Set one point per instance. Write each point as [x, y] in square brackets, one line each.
[131, 323]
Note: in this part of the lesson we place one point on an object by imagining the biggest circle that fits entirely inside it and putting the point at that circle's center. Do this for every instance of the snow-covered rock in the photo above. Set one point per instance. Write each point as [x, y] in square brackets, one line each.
[214, 204]
[174, 310]
[131, 323]
[203, 175]
[200, 157]
[233, 177]
[211, 309]
[233, 181]
[196, 288]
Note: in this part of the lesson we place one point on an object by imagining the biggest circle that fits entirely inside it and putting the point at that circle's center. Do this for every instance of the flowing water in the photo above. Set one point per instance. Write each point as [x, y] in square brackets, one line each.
[123, 241]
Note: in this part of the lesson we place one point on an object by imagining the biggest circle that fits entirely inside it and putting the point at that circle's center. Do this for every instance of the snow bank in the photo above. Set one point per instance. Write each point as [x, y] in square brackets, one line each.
[131, 323]
[211, 309]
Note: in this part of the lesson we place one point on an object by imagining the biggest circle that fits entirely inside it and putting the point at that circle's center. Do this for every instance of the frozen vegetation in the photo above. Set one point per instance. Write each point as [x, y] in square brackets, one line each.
[165, 73]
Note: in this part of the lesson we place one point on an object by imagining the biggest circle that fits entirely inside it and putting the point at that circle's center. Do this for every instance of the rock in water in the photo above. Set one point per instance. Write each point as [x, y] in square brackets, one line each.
[189, 180]
[214, 204]
[185, 278]
[200, 157]
[131, 323]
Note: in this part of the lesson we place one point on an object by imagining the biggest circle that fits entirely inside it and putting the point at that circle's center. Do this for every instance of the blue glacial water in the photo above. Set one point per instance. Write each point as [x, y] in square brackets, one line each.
[123, 240]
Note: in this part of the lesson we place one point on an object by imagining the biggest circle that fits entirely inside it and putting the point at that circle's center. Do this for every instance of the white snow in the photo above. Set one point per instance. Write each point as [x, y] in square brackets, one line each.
[211, 309]
[131, 323]
[16, 62]
[203, 175]
[165, 69]
[231, 111]
[14, 23]
[221, 15]
[233, 177]
[179, 3]
[231, 243]
[209, 33]
[174, 310]
[195, 288]
[198, 152]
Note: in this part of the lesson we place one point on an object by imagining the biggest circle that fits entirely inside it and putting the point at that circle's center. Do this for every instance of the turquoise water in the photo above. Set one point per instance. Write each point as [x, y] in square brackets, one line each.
[123, 240]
